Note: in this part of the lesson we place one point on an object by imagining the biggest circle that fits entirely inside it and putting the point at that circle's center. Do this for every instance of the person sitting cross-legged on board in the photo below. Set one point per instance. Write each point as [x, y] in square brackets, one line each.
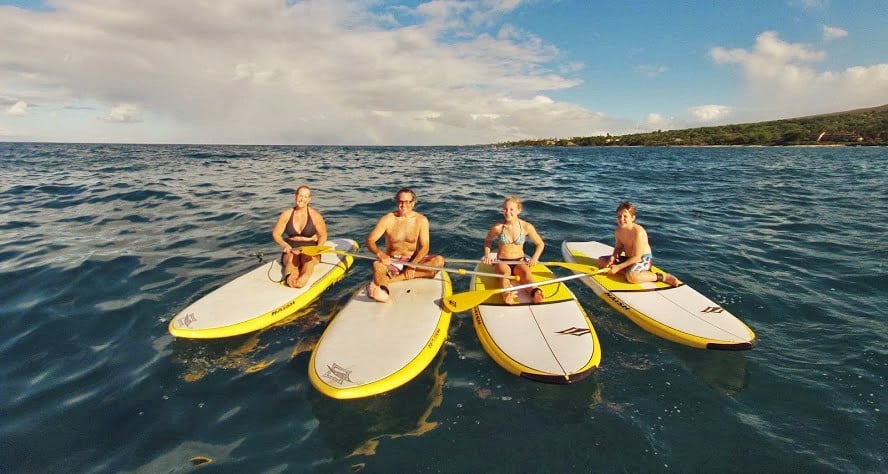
[303, 225]
[632, 253]
[509, 237]
[406, 235]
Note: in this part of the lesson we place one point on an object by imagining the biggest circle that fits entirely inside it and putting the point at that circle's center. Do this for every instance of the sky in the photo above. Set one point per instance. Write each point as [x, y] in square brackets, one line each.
[445, 72]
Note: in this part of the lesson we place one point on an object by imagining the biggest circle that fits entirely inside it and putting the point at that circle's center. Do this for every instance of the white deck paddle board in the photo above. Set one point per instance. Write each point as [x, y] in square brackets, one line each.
[679, 314]
[258, 299]
[552, 342]
[371, 347]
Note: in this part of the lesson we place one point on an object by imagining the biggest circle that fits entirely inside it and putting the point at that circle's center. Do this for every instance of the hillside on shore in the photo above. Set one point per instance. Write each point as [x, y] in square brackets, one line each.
[854, 127]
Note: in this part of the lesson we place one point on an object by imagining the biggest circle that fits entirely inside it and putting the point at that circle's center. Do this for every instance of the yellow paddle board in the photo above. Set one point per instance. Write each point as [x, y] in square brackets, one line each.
[258, 299]
[552, 342]
[679, 314]
[371, 347]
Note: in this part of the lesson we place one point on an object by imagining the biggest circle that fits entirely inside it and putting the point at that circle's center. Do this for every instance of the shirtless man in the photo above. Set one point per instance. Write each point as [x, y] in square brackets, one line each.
[406, 240]
[632, 240]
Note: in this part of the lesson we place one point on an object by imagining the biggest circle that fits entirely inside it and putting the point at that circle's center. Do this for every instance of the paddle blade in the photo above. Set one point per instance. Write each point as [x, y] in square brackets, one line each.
[467, 300]
[459, 302]
[312, 250]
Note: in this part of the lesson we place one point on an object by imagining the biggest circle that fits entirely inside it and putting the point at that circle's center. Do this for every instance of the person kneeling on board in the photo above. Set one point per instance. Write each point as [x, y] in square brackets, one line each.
[632, 240]
[303, 225]
[406, 240]
[509, 237]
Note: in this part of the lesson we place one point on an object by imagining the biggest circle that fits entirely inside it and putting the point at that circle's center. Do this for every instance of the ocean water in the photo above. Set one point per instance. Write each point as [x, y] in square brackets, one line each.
[100, 245]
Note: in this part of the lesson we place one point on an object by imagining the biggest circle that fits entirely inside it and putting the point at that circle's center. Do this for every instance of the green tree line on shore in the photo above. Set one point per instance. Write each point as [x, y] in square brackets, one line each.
[855, 127]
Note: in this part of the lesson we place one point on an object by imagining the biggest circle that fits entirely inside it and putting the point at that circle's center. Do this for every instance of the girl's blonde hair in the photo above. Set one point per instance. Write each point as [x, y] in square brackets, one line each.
[515, 199]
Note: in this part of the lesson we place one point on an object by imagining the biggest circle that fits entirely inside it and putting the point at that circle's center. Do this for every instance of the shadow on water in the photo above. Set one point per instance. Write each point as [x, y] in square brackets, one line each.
[725, 371]
[198, 359]
[354, 430]
[556, 405]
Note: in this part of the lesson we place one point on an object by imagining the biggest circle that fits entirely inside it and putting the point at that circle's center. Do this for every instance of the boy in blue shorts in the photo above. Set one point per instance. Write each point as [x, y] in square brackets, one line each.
[632, 253]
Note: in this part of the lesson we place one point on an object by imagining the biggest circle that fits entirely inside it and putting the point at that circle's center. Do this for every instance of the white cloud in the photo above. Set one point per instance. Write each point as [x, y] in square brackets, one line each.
[655, 121]
[770, 54]
[123, 113]
[781, 76]
[266, 71]
[18, 109]
[831, 33]
[710, 113]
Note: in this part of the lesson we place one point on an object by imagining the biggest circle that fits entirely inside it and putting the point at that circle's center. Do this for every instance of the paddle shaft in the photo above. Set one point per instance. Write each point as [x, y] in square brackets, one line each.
[319, 249]
[534, 284]
[576, 267]
[431, 267]
[464, 301]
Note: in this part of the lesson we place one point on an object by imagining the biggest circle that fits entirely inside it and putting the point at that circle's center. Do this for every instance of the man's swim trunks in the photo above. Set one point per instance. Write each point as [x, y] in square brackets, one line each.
[398, 263]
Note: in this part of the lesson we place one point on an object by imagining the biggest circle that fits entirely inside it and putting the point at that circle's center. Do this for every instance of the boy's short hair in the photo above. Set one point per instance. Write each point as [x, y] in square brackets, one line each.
[626, 206]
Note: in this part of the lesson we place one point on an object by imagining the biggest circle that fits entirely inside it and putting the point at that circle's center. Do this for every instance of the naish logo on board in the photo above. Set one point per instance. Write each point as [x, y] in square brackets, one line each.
[337, 373]
[617, 301]
[281, 308]
[712, 309]
[574, 331]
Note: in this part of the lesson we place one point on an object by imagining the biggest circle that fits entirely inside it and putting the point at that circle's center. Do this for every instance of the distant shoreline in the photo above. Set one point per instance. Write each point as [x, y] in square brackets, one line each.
[860, 127]
[831, 145]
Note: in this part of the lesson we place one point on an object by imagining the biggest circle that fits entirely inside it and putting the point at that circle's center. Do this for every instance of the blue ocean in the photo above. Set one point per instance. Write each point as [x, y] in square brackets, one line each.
[101, 245]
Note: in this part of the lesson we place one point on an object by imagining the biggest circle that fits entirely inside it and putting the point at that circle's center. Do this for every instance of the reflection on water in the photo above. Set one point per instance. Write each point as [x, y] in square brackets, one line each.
[725, 371]
[355, 428]
[182, 459]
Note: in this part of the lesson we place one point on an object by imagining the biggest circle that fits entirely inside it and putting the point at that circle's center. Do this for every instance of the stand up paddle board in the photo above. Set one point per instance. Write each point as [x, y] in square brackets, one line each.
[679, 314]
[258, 299]
[371, 347]
[552, 342]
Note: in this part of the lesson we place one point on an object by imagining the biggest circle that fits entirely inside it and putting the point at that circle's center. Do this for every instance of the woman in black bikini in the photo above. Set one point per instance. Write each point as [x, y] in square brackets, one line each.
[303, 225]
[509, 237]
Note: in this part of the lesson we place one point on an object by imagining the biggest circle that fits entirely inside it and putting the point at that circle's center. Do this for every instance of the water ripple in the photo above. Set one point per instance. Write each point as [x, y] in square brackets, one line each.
[102, 244]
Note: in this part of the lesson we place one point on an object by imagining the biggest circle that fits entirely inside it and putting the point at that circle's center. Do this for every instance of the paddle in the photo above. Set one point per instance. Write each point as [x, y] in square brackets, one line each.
[313, 250]
[464, 301]
[575, 267]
